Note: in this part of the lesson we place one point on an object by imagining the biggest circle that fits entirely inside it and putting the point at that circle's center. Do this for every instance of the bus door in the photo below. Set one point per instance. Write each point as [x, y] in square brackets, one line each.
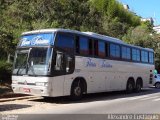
[63, 65]
[58, 71]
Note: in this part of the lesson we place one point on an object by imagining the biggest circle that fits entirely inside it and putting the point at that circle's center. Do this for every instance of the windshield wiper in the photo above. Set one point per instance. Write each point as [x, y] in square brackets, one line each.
[30, 67]
[21, 67]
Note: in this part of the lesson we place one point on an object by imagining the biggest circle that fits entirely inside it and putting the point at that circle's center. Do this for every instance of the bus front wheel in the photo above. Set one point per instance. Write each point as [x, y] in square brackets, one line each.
[77, 90]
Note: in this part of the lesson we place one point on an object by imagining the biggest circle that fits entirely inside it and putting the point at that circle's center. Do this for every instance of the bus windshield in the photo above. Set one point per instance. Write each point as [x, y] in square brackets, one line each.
[32, 61]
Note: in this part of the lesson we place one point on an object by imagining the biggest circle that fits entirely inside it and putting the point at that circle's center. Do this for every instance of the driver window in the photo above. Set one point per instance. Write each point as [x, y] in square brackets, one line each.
[59, 61]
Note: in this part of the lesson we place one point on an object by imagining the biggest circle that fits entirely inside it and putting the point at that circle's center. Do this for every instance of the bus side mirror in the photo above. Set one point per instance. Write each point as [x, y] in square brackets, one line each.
[59, 58]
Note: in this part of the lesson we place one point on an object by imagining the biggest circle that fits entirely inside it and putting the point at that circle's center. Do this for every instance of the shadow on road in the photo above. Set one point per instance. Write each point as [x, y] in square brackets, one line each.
[97, 97]
[7, 107]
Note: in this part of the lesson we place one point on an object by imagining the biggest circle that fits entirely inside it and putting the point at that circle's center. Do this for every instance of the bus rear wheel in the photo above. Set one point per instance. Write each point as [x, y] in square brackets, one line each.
[130, 86]
[138, 86]
[77, 90]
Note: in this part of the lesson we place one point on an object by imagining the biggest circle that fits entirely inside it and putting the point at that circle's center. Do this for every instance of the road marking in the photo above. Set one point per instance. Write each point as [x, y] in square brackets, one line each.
[158, 99]
[143, 96]
[149, 98]
[135, 98]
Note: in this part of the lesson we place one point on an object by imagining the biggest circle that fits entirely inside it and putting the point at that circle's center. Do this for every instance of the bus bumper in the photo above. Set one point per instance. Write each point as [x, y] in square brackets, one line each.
[30, 90]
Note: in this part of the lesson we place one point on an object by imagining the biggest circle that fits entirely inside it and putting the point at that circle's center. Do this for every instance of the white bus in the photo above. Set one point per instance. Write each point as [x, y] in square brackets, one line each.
[61, 62]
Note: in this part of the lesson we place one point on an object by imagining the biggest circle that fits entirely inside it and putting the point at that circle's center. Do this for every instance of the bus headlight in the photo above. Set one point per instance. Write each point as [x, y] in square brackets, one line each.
[41, 83]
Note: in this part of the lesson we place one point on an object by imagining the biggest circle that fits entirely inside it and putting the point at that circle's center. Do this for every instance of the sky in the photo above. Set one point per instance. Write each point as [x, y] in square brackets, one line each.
[145, 8]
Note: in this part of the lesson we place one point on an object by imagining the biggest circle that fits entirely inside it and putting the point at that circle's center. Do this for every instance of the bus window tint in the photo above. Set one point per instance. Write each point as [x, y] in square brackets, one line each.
[151, 58]
[84, 47]
[65, 42]
[135, 54]
[114, 50]
[126, 53]
[101, 49]
[144, 56]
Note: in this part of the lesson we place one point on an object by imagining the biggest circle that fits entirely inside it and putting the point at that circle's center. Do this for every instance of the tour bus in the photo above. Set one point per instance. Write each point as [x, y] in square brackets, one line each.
[62, 62]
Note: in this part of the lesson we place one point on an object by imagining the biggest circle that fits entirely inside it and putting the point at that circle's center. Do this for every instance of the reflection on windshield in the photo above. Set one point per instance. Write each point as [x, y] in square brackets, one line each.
[33, 62]
[38, 61]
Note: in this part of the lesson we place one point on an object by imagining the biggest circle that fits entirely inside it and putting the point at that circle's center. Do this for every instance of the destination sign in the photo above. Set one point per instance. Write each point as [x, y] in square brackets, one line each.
[37, 39]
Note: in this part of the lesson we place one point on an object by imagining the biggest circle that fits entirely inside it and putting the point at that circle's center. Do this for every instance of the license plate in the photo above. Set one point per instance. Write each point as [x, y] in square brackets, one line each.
[26, 90]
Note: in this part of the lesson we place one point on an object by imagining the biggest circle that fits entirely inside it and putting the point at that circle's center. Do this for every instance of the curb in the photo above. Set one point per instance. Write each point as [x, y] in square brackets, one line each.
[16, 98]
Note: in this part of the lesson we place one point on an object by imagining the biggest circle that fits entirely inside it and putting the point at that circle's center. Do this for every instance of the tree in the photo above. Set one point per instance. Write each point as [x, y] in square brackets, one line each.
[156, 48]
[139, 36]
[114, 28]
[115, 19]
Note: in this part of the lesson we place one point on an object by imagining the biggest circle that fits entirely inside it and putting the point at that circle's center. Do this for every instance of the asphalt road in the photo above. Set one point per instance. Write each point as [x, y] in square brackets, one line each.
[146, 102]
[97, 106]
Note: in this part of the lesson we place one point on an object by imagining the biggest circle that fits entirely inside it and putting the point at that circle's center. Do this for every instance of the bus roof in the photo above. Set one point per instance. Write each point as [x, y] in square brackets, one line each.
[90, 34]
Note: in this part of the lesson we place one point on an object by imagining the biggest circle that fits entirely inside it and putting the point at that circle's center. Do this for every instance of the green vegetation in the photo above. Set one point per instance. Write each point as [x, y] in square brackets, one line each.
[5, 73]
[101, 16]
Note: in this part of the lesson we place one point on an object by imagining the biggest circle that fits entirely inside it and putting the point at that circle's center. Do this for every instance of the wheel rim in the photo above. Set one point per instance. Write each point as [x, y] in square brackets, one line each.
[138, 87]
[158, 85]
[130, 87]
[77, 91]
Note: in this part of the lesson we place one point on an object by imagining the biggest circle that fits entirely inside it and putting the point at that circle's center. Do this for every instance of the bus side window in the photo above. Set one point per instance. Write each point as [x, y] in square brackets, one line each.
[144, 56]
[65, 42]
[126, 53]
[84, 47]
[136, 55]
[101, 49]
[114, 50]
[151, 58]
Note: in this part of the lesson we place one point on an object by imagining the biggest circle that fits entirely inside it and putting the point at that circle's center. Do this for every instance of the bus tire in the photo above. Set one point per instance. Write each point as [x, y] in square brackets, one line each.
[77, 90]
[130, 86]
[157, 85]
[47, 98]
[138, 86]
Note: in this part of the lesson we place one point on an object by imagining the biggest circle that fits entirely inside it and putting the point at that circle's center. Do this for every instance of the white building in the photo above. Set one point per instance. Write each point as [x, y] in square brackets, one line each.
[148, 19]
[125, 6]
[157, 29]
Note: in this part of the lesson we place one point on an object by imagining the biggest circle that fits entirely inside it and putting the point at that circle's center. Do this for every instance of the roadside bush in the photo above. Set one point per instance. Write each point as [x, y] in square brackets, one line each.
[5, 72]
